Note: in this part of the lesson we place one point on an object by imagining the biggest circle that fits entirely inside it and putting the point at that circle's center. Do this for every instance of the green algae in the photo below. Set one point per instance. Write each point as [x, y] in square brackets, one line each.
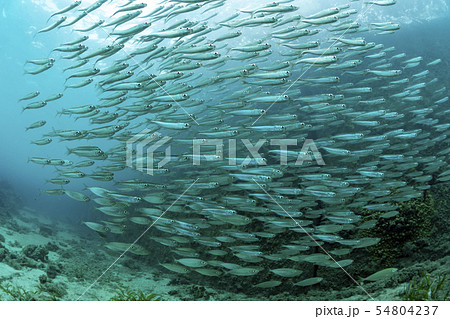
[427, 288]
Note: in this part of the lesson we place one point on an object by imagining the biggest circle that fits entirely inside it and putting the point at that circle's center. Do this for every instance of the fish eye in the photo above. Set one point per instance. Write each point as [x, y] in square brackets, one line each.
[106, 229]
[285, 96]
[186, 124]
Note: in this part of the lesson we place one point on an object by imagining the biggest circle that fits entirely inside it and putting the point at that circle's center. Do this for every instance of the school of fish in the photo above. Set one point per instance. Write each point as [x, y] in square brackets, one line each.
[375, 123]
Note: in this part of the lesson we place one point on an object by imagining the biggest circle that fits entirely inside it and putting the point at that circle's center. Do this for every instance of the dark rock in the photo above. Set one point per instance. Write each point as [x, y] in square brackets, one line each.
[3, 253]
[43, 279]
[198, 292]
[409, 249]
[52, 247]
[45, 231]
[56, 290]
[36, 252]
[53, 270]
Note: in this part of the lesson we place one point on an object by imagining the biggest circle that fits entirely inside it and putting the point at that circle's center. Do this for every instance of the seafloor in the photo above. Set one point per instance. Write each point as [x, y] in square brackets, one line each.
[43, 259]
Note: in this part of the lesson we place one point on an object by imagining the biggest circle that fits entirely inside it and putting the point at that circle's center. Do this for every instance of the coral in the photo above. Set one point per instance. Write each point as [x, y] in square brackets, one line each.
[55, 290]
[36, 252]
[414, 222]
[427, 288]
[52, 247]
[3, 253]
[126, 294]
[53, 270]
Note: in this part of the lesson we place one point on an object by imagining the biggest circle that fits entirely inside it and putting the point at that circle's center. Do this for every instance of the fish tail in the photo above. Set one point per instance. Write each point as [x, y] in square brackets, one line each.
[50, 18]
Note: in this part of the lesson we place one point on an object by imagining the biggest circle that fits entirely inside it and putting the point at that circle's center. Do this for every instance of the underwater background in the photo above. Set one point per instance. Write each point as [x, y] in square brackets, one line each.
[51, 246]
